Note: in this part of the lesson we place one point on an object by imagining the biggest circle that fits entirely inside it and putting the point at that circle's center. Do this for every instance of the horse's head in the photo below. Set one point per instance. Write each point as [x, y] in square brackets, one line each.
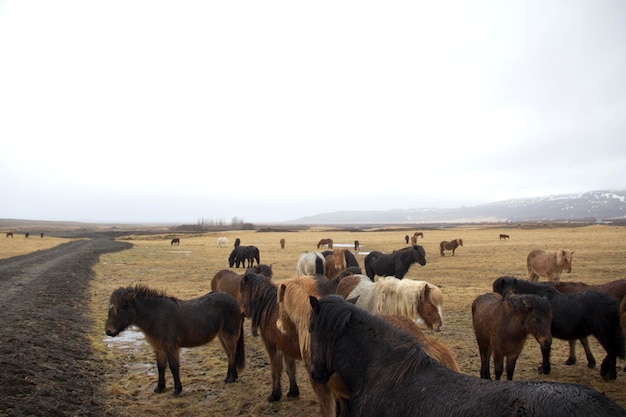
[564, 259]
[537, 313]
[428, 311]
[504, 285]
[324, 327]
[419, 254]
[121, 311]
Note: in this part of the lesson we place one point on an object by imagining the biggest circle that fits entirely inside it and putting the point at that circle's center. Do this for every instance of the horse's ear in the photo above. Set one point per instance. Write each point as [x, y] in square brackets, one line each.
[281, 292]
[315, 304]
[353, 300]
[426, 292]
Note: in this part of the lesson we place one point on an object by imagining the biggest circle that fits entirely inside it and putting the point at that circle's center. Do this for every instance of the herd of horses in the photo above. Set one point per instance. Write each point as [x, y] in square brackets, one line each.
[359, 339]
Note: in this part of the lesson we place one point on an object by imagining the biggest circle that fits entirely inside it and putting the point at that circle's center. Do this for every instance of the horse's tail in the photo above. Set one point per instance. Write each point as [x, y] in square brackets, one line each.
[240, 353]
[441, 248]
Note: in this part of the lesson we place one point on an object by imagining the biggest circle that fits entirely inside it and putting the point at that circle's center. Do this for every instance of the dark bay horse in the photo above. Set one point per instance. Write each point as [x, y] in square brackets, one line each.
[260, 305]
[170, 323]
[451, 245]
[576, 316]
[175, 241]
[504, 237]
[386, 373]
[395, 264]
[501, 326]
[616, 289]
[244, 256]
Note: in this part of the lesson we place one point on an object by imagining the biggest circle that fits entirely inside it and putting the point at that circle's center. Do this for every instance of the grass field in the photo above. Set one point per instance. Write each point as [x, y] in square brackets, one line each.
[185, 271]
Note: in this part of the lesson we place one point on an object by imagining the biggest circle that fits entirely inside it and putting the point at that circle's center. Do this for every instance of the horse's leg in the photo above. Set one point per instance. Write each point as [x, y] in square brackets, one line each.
[161, 358]
[591, 361]
[229, 344]
[173, 359]
[545, 365]
[453, 251]
[498, 365]
[276, 359]
[571, 360]
[511, 360]
[485, 357]
[290, 368]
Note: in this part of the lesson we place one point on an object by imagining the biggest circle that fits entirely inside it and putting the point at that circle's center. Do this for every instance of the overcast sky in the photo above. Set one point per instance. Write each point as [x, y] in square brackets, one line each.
[175, 111]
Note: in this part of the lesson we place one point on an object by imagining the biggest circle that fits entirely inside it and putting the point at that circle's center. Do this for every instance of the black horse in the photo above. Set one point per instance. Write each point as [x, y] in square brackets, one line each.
[576, 316]
[387, 373]
[395, 264]
[241, 254]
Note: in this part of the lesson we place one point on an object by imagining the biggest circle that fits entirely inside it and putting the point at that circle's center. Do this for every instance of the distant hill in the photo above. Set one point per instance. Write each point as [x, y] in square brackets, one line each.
[594, 205]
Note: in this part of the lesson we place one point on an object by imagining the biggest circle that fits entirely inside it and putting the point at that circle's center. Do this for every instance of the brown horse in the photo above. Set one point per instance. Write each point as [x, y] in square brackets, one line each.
[9, 234]
[175, 241]
[503, 236]
[452, 245]
[260, 306]
[170, 323]
[501, 326]
[282, 243]
[228, 281]
[295, 310]
[357, 245]
[325, 243]
[406, 239]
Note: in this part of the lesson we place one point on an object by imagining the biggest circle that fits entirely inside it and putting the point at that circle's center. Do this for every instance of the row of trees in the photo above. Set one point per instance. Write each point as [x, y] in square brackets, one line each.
[206, 225]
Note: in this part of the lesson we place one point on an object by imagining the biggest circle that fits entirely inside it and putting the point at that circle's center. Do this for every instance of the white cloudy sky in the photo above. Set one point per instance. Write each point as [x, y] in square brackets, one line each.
[177, 111]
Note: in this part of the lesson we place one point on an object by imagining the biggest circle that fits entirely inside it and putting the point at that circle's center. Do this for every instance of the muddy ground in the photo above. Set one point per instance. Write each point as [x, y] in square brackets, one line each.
[46, 364]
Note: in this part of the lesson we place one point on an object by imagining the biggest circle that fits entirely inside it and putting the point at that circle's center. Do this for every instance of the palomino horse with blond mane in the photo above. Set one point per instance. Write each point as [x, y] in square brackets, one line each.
[389, 295]
[295, 311]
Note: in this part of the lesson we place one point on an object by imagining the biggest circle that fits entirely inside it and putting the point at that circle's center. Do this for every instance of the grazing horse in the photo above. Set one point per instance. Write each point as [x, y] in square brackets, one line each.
[414, 299]
[170, 323]
[549, 265]
[386, 373]
[282, 243]
[395, 264]
[577, 315]
[259, 296]
[418, 234]
[357, 245]
[501, 326]
[241, 254]
[451, 245]
[294, 308]
[503, 236]
[616, 289]
[9, 234]
[310, 263]
[325, 243]
[175, 241]
[222, 242]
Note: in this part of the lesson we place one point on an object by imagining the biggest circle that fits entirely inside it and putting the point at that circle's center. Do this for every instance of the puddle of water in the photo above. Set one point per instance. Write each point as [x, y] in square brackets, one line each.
[130, 337]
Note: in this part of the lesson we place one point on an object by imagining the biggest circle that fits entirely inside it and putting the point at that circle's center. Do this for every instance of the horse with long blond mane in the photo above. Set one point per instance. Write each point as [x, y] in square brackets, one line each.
[389, 295]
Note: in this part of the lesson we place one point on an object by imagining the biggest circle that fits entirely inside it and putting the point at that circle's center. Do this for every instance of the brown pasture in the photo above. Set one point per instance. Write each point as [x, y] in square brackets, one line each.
[129, 370]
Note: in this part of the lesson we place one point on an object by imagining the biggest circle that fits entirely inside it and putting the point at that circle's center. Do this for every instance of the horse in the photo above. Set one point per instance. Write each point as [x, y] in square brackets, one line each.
[616, 289]
[170, 323]
[406, 239]
[550, 265]
[237, 242]
[501, 326]
[282, 243]
[311, 263]
[577, 315]
[228, 281]
[622, 315]
[222, 242]
[396, 264]
[259, 296]
[414, 299]
[241, 254]
[503, 236]
[386, 373]
[41, 235]
[451, 245]
[9, 234]
[325, 243]
[26, 235]
[357, 245]
[175, 241]
[293, 296]
[413, 240]
[418, 234]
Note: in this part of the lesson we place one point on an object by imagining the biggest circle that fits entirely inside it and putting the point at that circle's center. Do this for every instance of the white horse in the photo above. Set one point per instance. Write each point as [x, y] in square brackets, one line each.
[222, 242]
[310, 263]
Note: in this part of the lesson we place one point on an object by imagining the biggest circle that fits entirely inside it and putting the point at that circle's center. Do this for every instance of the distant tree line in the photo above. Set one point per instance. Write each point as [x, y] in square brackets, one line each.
[209, 225]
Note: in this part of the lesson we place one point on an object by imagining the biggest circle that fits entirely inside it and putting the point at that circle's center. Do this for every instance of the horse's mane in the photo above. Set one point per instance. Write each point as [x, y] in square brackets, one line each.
[263, 292]
[391, 298]
[295, 304]
[513, 284]
[537, 302]
[338, 317]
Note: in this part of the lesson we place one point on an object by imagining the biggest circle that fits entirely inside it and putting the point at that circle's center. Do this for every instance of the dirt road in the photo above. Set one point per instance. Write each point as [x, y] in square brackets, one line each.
[46, 364]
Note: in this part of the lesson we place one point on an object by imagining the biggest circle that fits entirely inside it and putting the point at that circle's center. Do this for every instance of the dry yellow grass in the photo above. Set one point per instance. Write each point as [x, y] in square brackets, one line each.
[185, 271]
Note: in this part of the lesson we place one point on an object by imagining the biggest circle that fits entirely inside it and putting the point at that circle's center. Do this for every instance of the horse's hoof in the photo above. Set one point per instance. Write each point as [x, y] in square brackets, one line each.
[570, 361]
[177, 392]
[159, 389]
[294, 393]
[273, 398]
[543, 371]
[591, 365]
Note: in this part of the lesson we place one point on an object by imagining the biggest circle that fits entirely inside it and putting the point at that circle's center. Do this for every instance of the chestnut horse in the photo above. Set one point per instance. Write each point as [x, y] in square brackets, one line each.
[501, 326]
[451, 245]
[325, 243]
[259, 296]
[170, 323]
[503, 236]
[386, 373]
[228, 281]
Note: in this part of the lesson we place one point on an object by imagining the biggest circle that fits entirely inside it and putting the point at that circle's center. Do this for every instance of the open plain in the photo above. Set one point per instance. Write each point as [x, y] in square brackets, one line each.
[122, 370]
